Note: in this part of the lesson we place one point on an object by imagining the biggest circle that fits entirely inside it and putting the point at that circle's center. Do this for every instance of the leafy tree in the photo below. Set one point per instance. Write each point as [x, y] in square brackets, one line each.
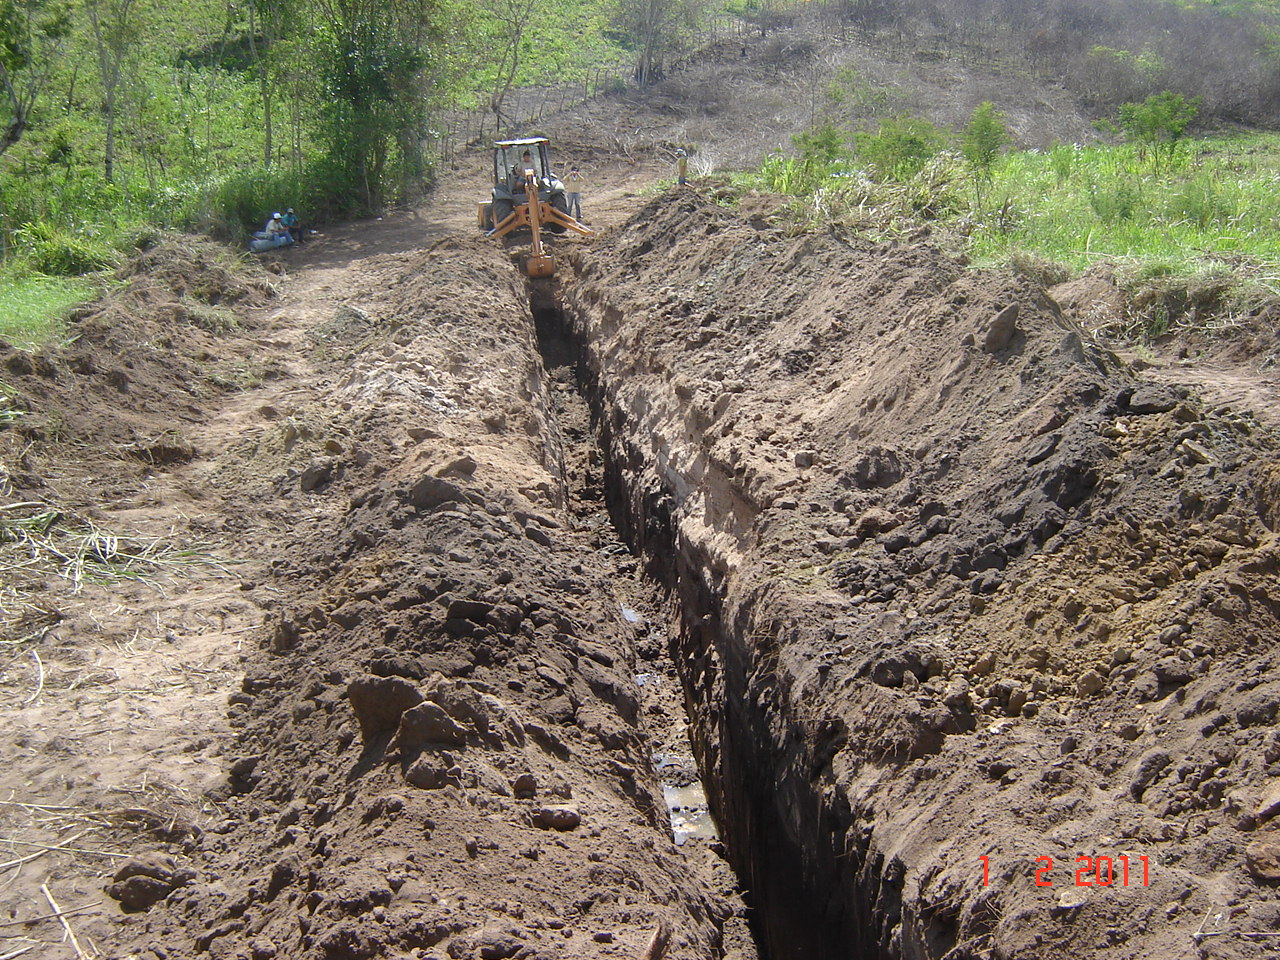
[114, 34]
[821, 146]
[901, 147]
[1158, 123]
[375, 61]
[512, 18]
[268, 19]
[983, 139]
[31, 37]
[1113, 75]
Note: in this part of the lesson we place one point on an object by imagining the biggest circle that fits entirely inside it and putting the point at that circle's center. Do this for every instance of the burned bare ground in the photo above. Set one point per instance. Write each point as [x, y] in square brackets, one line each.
[341, 596]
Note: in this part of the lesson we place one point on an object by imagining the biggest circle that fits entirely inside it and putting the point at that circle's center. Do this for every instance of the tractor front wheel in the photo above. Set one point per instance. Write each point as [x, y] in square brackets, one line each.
[501, 210]
[561, 204]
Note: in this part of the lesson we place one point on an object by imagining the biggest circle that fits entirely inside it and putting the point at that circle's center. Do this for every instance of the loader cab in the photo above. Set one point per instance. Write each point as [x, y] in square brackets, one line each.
[512, 157]
[509, 198]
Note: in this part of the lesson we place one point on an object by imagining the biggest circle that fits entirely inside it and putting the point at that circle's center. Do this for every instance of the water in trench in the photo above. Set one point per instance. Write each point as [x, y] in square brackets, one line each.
[639, 602]
[799, 885]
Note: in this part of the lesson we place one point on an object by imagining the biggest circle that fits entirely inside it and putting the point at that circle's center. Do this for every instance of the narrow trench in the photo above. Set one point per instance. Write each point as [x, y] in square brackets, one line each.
[587, 480]
[801, 859]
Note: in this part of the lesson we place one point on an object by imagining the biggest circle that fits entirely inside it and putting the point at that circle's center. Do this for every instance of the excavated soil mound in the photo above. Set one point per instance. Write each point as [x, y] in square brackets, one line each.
[141, 366]
[438, 746]
[973, 617]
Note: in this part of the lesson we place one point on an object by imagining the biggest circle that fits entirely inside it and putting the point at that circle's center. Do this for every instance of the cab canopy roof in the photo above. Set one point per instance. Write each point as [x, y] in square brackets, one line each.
[527, 142]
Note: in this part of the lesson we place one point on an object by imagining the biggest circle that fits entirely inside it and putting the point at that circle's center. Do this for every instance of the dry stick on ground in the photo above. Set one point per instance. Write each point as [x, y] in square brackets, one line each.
[19, 952]
[71, 934]
[51, 916]
[63, 846]
[658, 942]
[40, 853]
[39, 683]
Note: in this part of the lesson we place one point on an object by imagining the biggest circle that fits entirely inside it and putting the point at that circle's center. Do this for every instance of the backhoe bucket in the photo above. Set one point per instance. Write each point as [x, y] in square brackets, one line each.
[540, 265]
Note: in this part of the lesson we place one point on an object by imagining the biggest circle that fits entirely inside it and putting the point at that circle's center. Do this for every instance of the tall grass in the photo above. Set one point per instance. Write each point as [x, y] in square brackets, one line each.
[1080, 204]
[1218, 200]
[33, 308]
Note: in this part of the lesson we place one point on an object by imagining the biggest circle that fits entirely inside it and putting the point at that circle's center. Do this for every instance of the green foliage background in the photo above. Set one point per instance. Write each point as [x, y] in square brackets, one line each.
[226, 112]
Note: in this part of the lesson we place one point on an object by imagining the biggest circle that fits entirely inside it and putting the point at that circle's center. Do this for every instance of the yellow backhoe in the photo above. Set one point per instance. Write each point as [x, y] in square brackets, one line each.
[527, 194]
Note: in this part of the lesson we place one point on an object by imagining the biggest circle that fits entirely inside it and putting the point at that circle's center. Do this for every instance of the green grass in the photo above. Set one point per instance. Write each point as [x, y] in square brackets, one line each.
[1197, 235]
[1078, 205]
[33, 308]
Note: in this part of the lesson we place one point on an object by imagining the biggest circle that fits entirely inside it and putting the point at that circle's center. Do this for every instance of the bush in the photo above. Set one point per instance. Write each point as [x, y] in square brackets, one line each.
[58, 254]
[984, 138]
[1116, 201]
[900, 148]
[1201, 201]
[233, 207]
[1159, 123]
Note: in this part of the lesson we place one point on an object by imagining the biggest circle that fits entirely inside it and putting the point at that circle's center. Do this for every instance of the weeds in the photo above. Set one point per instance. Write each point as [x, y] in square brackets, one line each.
[57, 253]
[1192, 242]
[37, 538]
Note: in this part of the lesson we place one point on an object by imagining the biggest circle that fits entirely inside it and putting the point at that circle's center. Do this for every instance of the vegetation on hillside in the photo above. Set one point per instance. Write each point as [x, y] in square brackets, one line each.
[121, 116]
[1165, 211]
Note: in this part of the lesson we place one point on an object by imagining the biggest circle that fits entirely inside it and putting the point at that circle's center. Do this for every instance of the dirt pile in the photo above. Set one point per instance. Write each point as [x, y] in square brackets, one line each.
[140, 368]
[962, 598]
[441, 749]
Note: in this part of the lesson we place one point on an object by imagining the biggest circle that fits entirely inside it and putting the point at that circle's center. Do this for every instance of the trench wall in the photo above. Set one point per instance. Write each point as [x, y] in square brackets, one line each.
[922, 542]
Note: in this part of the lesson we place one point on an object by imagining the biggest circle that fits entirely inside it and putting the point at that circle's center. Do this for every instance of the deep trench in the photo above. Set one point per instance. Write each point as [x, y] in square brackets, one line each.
[799, 891]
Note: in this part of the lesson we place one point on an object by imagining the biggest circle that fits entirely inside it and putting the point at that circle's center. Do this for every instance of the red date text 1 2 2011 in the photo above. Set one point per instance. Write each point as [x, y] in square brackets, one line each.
[1090, 871]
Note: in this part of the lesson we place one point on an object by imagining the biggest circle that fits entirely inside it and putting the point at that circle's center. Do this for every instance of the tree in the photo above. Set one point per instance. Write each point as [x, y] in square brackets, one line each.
[1158, 123]
[113, 35]
[268, 18]
[984, 138]
[31, 36]
[512, 17]
[655, 28]
[375, 61]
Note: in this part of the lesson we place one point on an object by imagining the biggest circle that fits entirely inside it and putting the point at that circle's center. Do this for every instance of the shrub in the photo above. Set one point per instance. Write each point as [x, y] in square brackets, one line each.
[59, 254]
[983, 139]
[1201, 201]
[1158, 123]
[1062, 159]
[1116, 201]
[900, 148]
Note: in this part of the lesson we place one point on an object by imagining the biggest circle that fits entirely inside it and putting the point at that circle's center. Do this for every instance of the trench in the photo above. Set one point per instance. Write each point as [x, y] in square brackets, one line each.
[809, 896]
[585, 477]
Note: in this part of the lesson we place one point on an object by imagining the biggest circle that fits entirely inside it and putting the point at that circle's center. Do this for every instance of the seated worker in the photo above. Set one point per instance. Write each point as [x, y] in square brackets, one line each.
[293, 225]
[518, 171]
[273, 234]
[275, 228]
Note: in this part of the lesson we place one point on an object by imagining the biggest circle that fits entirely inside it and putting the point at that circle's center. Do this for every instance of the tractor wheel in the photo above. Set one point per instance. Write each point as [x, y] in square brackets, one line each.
[561, 203]
[502, 209]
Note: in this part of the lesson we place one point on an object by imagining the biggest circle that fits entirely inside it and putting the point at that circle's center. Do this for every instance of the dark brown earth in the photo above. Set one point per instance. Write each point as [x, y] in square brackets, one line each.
[940, 575]
[956, 584]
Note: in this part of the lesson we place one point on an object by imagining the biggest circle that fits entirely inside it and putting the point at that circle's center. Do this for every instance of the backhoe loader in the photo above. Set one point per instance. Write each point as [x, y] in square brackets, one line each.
[527, 194]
